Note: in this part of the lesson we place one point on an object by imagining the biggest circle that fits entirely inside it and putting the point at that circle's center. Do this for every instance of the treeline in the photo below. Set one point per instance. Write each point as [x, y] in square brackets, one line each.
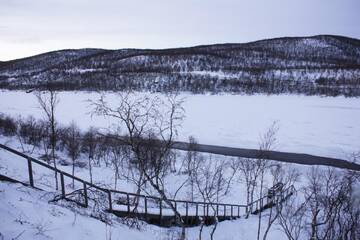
[247, 83]
[70, 139]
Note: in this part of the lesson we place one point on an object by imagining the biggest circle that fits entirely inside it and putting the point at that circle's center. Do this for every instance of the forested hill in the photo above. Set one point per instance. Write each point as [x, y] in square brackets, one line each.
[326, 65]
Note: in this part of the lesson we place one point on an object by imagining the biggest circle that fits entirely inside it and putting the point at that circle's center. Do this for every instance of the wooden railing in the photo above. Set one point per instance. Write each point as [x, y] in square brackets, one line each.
[267, 201]
[151, 204]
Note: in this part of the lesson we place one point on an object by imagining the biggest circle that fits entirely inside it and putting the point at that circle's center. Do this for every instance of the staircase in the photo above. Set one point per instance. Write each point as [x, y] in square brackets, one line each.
[151, 209]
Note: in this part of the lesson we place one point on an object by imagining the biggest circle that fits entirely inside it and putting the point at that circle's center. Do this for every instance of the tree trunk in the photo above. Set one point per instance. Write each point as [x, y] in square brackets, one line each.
[261, 188]
[90, 171]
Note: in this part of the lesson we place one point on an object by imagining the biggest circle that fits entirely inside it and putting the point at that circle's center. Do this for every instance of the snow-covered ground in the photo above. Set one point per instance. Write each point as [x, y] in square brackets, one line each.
[27, 212]
[16, 167]
[327, 126]
[316, 125]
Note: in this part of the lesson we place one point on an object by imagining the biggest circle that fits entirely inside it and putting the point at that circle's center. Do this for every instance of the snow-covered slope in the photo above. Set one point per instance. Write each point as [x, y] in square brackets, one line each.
[322, 64]
[26, 213]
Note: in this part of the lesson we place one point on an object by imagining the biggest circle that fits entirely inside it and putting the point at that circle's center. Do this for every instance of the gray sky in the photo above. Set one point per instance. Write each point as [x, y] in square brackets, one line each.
[29, 27]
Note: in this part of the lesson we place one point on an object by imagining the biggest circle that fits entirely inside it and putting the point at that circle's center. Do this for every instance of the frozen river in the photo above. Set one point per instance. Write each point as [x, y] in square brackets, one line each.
[327, 126]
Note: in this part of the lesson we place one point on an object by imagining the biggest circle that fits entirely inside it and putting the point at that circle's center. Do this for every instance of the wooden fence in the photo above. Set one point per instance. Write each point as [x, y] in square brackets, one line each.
[150, 207]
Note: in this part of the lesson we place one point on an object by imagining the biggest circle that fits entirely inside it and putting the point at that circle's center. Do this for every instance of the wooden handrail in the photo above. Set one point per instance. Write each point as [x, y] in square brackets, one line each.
[86, 185]
[107, 191]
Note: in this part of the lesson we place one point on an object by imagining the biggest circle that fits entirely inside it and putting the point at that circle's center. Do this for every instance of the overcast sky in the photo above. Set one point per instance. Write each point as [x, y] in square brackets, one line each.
[29, 27]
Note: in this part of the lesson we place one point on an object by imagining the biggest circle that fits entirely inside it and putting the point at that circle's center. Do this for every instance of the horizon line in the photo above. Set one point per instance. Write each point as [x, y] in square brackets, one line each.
[182, 47]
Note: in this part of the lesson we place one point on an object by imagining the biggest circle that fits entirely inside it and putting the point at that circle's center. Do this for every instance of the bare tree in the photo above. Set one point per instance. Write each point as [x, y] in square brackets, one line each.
[250, 170]
[27, 133]
[234, 166]
[190, 164]
[210, 180]
[292, 218]
[73, 145]
[118, 158]
[90, 145]
[151, 126]
[328, 208]
[45, 141]
[48, 101]
[282, 179]
[267, 143]
[8, 126]
[334, 212]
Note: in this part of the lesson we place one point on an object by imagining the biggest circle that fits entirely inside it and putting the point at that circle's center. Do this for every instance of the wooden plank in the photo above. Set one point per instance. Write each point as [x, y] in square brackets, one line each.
[128, 202]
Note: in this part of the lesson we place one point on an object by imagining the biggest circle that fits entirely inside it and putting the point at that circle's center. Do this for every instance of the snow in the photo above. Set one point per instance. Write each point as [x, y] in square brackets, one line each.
[315, 43]
[27, 211]
[219, 74]
[78, 70]
[16, 167]
[326, 126]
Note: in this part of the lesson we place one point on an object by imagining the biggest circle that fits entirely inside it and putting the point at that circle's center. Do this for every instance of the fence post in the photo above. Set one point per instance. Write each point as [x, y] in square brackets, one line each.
[62, 185]
[110, 201]
[128, 203]
[217, 209]
[175, 205]
[160, 215]
[197, 209]
[31, 179]
[238, 211]
[187, 209]
[224, 210]
[231, 211]
[85, 195]
[146, 216]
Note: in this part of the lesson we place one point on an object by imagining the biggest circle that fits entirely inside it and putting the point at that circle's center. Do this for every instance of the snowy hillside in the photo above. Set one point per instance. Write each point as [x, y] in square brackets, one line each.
[325, 65]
